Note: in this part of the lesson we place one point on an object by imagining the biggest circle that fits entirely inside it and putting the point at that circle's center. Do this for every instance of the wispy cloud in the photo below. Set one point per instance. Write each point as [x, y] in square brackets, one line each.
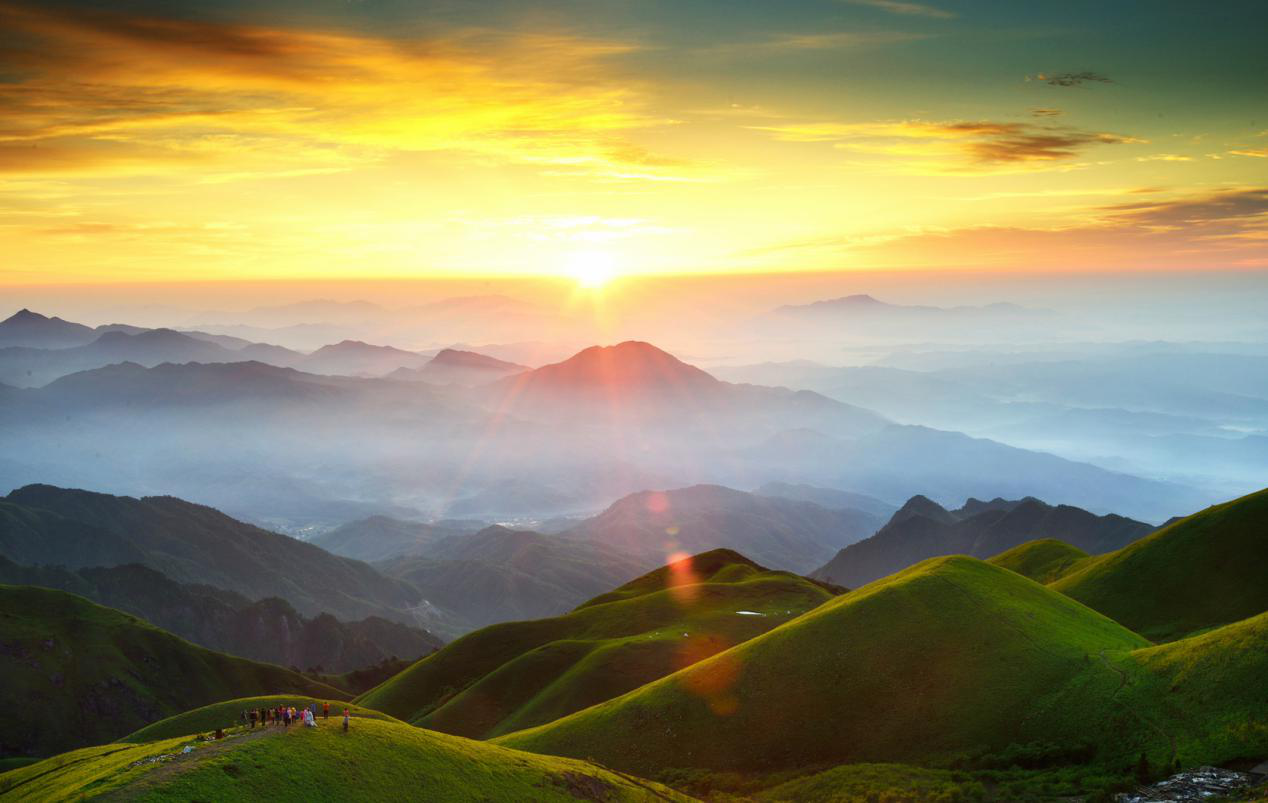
[905, 8]
[1045, 111]
[1257, 153]
[1212, 230]
[952, 146]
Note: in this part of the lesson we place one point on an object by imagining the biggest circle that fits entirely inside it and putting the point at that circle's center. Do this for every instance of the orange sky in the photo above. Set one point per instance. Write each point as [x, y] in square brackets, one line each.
[159, 143]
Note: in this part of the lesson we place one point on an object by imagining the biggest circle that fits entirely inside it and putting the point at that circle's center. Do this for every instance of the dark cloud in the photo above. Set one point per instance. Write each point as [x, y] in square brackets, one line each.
[1072, 78]
[1045, 111]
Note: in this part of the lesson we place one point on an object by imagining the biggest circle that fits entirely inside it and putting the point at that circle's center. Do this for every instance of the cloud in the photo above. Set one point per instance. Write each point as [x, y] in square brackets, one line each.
[1257, 153]
[1165, 157]
[952, 146]
[1045, 111]
[1070, 78]
[1212, 230]
[905, 8]
[105, 93]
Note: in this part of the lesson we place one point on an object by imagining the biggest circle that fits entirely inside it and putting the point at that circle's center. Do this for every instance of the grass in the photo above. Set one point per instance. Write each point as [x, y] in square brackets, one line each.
[375, 760]
[226, 715]
[1043, 561]
[1207, 570]
[521, 674]
[946, 656]
[90, 674]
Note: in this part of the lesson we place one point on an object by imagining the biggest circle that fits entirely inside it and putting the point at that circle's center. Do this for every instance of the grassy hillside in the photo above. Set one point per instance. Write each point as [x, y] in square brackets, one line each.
[1043, 561]
[88, 674]
[944, 657]
[226, 714]
[374, 760]
[1203, 571]
[520, 674]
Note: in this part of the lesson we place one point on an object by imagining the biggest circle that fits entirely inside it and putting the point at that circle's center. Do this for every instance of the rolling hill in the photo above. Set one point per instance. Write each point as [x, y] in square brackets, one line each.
[377, 759]
[1043, 560]
[946, 656]
[89, 674]
[44, 525]
[1202, 571]
[520, 674]
[923, 529]
[778, 532]
[264, 630]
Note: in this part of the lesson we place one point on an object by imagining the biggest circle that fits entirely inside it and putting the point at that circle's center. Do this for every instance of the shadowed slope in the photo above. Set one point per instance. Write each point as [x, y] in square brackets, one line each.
[89, 674]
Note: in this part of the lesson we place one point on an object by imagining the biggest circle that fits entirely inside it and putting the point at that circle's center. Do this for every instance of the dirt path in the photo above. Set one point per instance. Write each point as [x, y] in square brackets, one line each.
[184, 761]
[1122, 683]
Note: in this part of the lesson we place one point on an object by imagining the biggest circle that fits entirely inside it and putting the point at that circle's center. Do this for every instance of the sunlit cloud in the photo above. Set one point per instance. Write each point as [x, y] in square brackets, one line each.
[1071, 78]
[106, 93]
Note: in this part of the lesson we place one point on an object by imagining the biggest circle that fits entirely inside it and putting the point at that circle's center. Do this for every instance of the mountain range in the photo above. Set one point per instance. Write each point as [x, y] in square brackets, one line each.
[923, 529]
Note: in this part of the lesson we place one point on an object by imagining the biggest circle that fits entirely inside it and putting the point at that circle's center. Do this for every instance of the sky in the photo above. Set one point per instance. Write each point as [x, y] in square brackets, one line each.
[384, 139]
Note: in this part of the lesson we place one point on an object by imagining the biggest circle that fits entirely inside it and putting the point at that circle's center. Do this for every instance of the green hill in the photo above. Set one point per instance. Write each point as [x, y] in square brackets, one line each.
[519, 674]
[944, 657]
[88, 674]
[227, 714]
[1043, 561]
[374, 760]
[1202, 571]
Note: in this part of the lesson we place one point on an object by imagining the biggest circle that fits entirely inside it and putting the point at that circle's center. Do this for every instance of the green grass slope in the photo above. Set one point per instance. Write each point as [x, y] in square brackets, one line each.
[1203, 571]
[1198, 700]
[1043, 561]
[520, 674]
[226, 714]
[87, 674]
[943, 657]
[374, 760]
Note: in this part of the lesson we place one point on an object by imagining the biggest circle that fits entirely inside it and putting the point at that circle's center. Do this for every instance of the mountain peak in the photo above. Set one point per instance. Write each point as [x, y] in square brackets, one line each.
[25, 314]
[457, 358]
[631, 366]
[920, 505]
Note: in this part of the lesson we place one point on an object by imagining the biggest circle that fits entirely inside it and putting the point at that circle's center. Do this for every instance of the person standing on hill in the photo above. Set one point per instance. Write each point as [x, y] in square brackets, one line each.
[325, 710]
[254, 714]
[345, 720]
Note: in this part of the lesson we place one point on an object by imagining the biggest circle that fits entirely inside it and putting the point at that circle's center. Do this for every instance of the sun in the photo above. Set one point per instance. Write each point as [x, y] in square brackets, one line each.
[591, 269]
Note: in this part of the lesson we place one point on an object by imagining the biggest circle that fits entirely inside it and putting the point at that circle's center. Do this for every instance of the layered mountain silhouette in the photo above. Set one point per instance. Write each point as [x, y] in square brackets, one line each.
[498, 574]
[268, 630]
[457, 367]
[924, 529]
[27, 329]
[354, 358]
[382, 537]
[783, 533]
[44, 525]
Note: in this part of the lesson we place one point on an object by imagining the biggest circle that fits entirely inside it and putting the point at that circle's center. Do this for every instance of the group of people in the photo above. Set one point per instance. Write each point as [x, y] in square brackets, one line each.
[284, 715]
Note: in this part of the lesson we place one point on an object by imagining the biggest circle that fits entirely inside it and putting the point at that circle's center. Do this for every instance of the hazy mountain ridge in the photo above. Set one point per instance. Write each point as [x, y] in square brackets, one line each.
[923, 529]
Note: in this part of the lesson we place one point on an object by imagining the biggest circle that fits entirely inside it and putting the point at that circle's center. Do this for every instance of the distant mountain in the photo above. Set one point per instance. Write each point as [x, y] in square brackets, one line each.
[498, 575]
[265, 630]
[29, 329]
[454, 367]
[783, 533]
[831, 498]
[924, 529]
[43, 525]
[520, 674]
[354, 358]
[381, 537]
[76, 673]
[1205, 570]
[635, 387]
[865, 306]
